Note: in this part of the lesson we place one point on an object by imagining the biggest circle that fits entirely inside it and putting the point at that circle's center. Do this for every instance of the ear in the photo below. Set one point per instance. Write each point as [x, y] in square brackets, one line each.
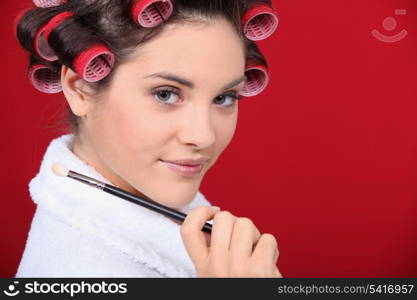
[75, 90]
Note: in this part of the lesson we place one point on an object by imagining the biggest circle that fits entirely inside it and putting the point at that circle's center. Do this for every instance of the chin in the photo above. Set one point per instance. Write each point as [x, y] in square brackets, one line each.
[176, 198]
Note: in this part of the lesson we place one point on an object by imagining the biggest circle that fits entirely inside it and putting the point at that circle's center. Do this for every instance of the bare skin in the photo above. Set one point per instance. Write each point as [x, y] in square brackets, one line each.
[143, 119]
[235, 248]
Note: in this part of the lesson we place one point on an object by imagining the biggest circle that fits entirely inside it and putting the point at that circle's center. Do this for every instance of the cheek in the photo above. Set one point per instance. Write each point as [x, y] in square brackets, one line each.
[127, 133]
[225, 127]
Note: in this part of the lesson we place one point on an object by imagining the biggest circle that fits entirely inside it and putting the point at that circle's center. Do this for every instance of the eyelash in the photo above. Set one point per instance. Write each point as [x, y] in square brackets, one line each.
[233, 95]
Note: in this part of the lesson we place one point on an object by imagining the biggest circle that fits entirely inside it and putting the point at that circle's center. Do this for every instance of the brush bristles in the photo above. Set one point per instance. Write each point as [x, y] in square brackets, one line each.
[59, 169]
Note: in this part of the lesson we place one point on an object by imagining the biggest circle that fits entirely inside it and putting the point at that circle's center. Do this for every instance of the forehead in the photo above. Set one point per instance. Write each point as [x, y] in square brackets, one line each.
[193, 48]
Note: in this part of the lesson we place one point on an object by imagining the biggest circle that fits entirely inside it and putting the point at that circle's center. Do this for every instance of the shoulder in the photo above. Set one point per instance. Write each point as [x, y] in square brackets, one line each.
[56, 249]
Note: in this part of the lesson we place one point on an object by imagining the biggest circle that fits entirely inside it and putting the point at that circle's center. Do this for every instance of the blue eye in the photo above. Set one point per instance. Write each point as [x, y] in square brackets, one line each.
[166, 96]
[229, 99]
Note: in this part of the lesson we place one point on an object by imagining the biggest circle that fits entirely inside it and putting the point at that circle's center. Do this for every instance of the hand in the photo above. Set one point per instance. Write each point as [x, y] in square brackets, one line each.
[235, 248]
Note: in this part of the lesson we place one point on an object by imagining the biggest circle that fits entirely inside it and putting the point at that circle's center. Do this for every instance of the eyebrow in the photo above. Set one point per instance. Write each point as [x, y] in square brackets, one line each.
[188, 83]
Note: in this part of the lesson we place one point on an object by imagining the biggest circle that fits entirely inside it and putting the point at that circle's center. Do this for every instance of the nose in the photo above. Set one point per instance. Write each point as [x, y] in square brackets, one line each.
[197, 127]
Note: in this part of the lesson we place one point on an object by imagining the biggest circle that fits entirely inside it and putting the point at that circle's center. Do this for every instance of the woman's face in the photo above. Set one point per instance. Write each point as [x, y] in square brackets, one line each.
[175, 99]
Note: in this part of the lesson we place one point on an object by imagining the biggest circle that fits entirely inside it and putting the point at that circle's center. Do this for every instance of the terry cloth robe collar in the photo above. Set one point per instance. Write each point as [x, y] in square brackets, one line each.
[146, 236]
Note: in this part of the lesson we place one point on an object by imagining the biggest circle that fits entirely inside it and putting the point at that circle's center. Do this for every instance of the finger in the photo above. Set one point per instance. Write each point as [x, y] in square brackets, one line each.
[208, 237]
[221, 232]
[244, 236]
[266, 249]
[193, 237]
[277, 274]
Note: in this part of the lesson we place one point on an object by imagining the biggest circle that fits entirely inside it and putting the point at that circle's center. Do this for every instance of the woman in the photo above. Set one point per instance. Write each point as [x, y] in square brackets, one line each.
[152, 90]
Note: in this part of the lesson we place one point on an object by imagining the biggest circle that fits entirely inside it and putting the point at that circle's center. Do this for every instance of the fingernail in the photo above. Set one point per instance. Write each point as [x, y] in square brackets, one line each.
[216, 207]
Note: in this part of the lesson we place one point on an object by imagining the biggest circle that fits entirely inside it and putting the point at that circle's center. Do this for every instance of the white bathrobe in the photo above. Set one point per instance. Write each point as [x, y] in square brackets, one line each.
[81, 231]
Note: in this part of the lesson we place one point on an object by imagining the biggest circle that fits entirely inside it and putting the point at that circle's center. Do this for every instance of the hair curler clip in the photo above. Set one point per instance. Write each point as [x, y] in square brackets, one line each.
[45, 79]
[48, 3]
[151, 13]
[257, 79]
[41, 40]
[95, 63]
[259, 22]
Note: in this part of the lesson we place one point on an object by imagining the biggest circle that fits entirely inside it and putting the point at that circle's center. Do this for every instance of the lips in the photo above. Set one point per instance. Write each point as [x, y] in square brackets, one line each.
[188, 162]
[185, 167]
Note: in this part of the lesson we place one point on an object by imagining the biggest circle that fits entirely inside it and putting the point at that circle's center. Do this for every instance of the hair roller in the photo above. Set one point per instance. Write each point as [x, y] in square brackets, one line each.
[259, 22]
[151, 13]
[89, 57]
[95, 63]
[44, 79]
[48, 3]
[41, 45]
[257, 79]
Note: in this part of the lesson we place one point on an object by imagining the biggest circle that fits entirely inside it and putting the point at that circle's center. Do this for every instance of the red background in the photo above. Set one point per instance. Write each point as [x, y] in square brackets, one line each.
[325, 159]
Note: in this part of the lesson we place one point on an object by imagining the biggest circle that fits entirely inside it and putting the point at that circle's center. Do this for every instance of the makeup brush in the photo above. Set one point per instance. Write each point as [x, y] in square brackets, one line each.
[60, 170]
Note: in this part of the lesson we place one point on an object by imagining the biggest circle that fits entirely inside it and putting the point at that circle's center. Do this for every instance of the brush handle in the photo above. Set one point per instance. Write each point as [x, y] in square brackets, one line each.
[152, 205]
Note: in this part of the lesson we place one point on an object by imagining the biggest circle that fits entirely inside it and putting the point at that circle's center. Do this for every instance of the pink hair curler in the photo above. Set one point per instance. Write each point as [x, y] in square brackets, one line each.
[44, 79]
[151, 13]
[48, 3]
[94, 63]
[259, 22]
[41, 40]
[257, 79]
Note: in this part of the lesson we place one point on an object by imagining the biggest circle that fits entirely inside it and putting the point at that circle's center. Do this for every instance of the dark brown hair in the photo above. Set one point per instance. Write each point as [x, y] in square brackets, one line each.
[110, 22]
